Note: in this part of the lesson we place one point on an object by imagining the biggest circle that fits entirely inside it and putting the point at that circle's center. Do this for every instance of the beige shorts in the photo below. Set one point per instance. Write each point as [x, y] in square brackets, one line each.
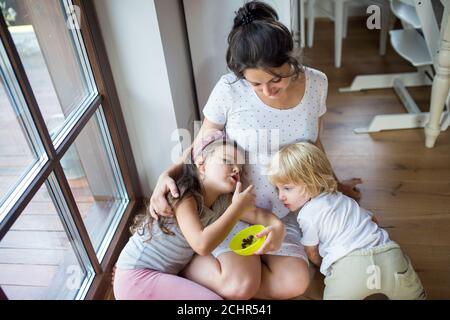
[381, 270]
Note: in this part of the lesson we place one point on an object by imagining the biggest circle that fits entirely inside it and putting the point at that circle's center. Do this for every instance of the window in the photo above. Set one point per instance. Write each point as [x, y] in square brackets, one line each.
[67, 176]
[39, 258]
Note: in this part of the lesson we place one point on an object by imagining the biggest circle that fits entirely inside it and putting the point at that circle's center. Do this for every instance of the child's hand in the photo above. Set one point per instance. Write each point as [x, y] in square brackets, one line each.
[275, 236]
[245, 200]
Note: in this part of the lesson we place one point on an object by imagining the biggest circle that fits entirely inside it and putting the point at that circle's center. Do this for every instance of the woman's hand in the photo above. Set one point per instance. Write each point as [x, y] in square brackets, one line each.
[158, 201]
[348, 187]
[375, 220]
[244, 200]
[275, 236]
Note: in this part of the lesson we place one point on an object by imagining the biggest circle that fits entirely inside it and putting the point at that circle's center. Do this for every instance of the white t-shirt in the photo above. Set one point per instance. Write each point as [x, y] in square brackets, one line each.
[338, 225]
[262, 130]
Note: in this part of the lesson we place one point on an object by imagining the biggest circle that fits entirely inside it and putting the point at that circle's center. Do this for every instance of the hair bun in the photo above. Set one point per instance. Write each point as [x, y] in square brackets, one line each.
[254, 10]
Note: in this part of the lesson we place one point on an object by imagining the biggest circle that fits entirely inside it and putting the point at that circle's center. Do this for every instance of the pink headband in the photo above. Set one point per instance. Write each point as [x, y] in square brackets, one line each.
[205, 141]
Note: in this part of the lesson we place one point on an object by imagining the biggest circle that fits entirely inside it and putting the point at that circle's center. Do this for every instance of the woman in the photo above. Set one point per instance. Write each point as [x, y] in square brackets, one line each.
[270, 99]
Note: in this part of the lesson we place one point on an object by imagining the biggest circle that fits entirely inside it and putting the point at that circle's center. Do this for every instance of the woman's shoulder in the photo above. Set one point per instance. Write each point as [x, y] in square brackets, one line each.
[231, 84]
[230, 78]
[316, 74]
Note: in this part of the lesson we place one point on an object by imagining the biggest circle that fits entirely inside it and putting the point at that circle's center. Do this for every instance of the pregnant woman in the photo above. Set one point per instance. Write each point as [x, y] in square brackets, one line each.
[268, 100]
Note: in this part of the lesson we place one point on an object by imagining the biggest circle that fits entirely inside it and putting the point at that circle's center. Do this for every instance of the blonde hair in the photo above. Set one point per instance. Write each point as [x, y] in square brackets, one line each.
[303, 164]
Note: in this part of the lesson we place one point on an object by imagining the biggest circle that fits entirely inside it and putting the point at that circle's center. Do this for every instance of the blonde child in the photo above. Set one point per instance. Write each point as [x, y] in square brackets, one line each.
[205, 212]
[356, 256]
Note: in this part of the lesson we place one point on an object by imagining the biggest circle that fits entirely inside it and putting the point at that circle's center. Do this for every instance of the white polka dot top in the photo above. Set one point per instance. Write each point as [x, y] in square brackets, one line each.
[261, 130]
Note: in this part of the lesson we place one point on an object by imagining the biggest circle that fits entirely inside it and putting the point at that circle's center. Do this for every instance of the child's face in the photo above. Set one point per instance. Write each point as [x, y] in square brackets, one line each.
[293, 196]
[222, 170]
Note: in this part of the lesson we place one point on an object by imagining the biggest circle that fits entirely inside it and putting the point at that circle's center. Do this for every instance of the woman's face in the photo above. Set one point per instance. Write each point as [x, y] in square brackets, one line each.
[268, 85]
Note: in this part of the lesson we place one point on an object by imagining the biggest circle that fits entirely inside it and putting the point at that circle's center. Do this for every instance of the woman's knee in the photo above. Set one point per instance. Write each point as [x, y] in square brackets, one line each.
[240, 276]
[292, 286]
[237, 287]
[292, 280]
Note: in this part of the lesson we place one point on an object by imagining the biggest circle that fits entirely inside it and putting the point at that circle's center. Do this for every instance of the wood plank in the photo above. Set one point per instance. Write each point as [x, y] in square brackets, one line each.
[39, 208]
[26, 275]
[25, 292]
[427, 197]
[35, 240]
[359, 147]
[418, 231]
[390, 171]
[38, 223]
[31, 256]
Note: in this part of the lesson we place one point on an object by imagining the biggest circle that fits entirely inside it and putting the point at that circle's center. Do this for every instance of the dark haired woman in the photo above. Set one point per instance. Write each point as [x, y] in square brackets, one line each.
[270, 99]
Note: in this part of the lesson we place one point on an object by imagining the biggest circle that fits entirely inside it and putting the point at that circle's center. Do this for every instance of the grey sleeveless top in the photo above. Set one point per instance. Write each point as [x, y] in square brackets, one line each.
[163, 252]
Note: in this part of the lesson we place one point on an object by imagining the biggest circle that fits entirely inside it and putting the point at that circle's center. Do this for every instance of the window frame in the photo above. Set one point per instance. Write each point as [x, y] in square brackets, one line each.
[108, 99]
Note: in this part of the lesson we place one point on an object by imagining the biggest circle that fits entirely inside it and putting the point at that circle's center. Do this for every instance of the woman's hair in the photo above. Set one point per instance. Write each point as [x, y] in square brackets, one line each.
[188, 185]
[303, 164]
[259, 40]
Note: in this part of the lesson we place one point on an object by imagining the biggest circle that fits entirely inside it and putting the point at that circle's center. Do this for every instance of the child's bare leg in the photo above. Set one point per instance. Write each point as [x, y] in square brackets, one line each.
[283, 277]
[230, 275]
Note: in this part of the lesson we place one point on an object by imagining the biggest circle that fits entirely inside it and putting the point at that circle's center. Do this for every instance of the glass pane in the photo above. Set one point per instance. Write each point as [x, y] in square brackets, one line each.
[20, 147]
[38, 259]
[52, 52]
[95, 180]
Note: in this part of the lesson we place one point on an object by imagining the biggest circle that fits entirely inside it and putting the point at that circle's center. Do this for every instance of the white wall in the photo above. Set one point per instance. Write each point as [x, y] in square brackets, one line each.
[208, 24]
[174, 39]
[153, 103]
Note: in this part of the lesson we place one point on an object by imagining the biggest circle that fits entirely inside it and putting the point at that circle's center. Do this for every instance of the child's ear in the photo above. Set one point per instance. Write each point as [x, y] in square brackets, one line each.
[200, 163]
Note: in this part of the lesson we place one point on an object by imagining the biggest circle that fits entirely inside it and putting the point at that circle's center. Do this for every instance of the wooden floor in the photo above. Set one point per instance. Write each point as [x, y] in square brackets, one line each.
[406, 185]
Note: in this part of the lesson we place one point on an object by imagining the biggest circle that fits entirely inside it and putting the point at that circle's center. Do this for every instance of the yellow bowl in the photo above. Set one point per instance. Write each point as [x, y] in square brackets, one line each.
[236, 242]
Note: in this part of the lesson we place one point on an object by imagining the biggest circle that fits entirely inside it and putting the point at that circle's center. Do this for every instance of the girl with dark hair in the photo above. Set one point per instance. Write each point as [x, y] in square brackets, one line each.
[268, 100]
[210, 203]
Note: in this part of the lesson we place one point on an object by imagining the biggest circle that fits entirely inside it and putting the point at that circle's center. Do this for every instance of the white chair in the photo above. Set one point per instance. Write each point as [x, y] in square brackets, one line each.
[418, 42]
[339, 16]
[441, 85]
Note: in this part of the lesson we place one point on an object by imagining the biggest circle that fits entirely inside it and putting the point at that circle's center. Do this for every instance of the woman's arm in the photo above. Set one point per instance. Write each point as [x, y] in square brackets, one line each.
[166, 181]
[347, 187]
[274, 230]
[313, 255]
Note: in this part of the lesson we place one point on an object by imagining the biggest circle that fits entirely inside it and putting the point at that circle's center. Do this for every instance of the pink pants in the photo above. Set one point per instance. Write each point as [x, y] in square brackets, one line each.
[147, 284]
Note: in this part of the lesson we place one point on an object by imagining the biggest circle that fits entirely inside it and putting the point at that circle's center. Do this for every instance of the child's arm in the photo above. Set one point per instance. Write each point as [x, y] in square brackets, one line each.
[204, 239]
[274, 230]
[313, 255]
